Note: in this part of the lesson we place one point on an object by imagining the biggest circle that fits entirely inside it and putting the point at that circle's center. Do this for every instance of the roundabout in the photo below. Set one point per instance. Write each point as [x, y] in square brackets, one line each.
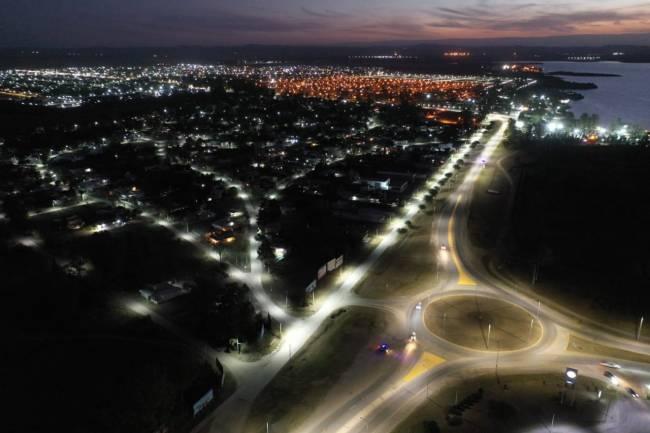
[482, 323]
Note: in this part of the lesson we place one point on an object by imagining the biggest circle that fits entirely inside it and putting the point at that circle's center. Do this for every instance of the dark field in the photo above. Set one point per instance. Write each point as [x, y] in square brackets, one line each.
[581, 215]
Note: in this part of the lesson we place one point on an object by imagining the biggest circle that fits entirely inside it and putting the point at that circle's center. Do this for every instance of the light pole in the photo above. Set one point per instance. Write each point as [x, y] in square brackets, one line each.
[539, 305]
[638, 332]
[496, 365]
[365, 421]
[488, 336]
[552, 423]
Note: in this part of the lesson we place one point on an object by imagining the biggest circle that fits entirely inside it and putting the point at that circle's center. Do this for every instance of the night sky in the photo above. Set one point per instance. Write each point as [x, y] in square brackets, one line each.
[80, 23]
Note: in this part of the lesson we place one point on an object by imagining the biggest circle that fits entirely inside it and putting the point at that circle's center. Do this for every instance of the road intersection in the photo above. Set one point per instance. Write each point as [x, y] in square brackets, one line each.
[382, 408]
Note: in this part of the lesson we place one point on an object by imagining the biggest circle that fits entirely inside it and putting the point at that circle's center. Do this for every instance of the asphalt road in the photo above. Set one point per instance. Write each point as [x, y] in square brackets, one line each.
[381, 408]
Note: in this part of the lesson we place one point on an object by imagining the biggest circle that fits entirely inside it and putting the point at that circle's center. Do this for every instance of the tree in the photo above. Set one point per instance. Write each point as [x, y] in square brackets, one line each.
[431, 426]
[269, 322]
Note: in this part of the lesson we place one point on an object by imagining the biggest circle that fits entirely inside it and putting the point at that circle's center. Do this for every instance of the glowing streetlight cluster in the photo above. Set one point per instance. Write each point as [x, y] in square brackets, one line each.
[388, 88]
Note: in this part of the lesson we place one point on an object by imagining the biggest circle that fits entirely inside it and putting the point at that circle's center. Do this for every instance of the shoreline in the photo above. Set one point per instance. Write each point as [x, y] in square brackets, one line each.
[582, 74]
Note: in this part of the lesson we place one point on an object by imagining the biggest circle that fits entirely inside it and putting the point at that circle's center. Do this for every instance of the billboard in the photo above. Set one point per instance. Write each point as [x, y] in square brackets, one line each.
[331, 265]
[311, 287]
[339, 262]
[322, 271]
[203, 401]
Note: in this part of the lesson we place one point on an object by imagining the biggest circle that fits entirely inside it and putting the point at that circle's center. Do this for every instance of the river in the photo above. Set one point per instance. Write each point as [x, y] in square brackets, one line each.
[626, 97]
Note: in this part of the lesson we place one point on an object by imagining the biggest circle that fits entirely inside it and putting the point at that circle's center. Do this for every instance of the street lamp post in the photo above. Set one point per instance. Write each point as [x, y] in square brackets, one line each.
[496, 365]
[488, 336]
[638, 332]
[552, 423]
[365, 421]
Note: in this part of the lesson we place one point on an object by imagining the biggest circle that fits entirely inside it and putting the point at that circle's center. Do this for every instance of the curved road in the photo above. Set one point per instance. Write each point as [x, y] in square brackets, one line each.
[384, 406]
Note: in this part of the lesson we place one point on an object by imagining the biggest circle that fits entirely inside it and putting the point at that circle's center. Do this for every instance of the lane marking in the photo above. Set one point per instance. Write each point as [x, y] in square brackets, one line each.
[426, 362]
[464, 278]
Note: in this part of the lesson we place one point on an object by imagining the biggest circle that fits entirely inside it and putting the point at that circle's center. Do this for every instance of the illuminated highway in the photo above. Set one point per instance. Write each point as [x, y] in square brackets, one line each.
[435, 359]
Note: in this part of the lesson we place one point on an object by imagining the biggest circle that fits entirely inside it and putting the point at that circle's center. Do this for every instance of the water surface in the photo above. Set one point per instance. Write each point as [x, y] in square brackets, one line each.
[626, 97]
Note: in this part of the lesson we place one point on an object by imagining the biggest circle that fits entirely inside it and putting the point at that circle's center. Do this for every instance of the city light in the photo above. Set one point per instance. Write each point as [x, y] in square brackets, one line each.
[554, 126]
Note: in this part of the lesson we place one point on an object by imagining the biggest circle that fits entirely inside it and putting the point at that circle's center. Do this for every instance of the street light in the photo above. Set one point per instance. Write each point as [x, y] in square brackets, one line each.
[488, 335]
[571, 375]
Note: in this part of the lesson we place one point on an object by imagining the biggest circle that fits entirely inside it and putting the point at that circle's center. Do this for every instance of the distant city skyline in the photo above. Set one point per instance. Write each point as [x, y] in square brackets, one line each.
[77, 23]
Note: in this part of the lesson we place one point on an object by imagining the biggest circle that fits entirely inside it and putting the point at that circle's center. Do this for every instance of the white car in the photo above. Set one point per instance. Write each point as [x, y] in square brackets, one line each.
[443, 247]
[418, 306]
[610, 364]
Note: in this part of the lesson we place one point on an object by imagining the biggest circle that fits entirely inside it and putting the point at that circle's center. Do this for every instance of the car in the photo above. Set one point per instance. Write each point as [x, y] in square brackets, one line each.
[418, 306]
[383, 348]
[632, 393]
[610, 364]
[443, 247]
[413, 336]
[613, 379]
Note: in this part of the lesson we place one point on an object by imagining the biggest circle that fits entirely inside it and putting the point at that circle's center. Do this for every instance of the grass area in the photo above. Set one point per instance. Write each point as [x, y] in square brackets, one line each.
[304, 382]
[580, 345]
[488, 210]
[406, 268]
[584, 228]
[515, 404]
[470, 321]
[410, 266]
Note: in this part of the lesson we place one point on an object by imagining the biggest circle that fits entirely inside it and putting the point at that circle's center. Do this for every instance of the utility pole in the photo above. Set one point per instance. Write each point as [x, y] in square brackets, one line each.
[535, 274]
[552, 423]
[488, 336]
[496, 365]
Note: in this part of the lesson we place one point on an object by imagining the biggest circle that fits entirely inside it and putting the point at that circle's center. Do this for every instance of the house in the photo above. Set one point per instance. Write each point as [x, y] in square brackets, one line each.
[163, 292]
[377, 183]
